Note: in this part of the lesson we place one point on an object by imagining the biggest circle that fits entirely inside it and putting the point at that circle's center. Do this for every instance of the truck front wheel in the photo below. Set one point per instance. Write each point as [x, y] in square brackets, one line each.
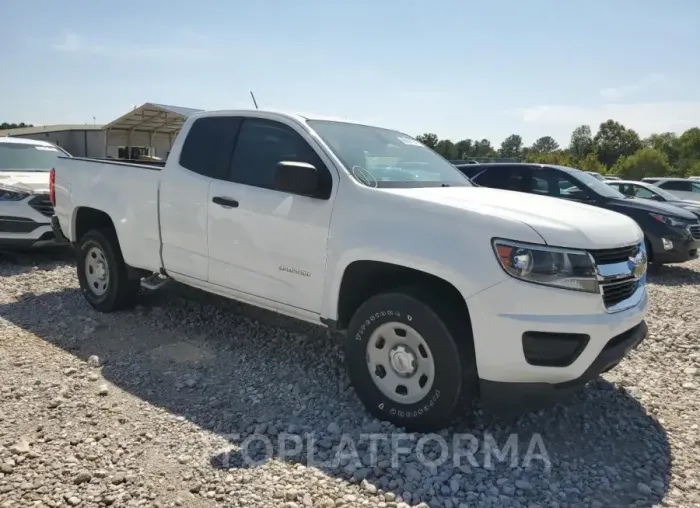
[102, 273]
[411, 362]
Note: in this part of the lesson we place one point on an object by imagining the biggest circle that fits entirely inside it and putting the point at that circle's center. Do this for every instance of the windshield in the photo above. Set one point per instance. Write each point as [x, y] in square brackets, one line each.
[383, 158]
[26, 157]
[663, 193]
[598, 186]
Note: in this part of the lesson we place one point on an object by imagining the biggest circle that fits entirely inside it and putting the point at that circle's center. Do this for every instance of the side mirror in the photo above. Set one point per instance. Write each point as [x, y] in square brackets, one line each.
[296, 178]
[656, 197]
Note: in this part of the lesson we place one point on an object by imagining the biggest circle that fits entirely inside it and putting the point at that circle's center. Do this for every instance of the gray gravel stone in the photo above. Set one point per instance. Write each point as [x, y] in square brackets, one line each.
[197, 375]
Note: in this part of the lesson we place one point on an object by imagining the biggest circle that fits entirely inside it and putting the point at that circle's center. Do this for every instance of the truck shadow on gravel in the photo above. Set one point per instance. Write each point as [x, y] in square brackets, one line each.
[16, 262]
[674, 275]
[239, 372]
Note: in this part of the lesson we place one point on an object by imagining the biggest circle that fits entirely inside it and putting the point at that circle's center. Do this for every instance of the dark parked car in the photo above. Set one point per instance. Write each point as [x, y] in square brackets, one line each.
[672, 234]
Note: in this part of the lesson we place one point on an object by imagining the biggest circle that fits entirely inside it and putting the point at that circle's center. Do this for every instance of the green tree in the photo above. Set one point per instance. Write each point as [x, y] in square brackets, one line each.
[581, 142]
[512, 146]
[20, 125]
[558, 158]
[428, 139]
[447, 149]
[667, 143]
[591, 163]
[614, 140]
[643, 163]
[464, 148]
[690, 144]
[483, 148]
[546, 144]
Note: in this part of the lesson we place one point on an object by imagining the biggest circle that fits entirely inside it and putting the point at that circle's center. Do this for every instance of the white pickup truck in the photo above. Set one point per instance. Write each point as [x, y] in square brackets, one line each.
[445, 291]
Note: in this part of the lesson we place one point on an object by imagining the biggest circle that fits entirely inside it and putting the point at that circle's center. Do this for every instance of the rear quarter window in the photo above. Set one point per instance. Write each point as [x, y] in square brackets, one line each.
[208, 146]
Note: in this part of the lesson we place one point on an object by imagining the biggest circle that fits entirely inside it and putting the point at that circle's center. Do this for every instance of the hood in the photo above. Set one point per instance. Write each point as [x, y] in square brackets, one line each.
[684, 203]
[691, 206]
[559, 222]
[654, 207]
[26, 181]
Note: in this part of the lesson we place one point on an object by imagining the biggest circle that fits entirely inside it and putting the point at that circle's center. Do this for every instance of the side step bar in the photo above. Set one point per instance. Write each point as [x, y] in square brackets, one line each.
[154, 281]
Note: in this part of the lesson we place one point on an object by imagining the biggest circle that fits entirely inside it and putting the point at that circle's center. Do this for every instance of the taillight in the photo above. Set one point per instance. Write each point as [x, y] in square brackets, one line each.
[52, 186]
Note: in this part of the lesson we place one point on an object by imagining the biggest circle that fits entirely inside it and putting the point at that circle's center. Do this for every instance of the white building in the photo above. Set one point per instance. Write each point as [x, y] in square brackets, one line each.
[147, 130]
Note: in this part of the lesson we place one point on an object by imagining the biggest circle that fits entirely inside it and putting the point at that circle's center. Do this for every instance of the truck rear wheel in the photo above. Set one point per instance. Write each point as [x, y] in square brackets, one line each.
[411, 362]
[102, 273]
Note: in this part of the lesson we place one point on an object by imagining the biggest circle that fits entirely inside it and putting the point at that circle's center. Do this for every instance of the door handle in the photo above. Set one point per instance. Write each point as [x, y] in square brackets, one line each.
[225, 202]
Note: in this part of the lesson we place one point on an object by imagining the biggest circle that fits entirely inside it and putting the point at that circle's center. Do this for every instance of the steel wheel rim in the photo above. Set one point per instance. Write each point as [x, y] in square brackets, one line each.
[96, 271]
[400, 362]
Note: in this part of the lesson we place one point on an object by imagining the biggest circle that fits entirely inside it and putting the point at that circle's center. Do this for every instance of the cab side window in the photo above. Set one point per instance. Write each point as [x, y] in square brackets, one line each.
[262, 144]
[208, 146]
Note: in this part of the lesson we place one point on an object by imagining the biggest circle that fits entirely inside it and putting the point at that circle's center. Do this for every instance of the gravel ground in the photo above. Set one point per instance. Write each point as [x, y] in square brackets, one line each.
[155, 406]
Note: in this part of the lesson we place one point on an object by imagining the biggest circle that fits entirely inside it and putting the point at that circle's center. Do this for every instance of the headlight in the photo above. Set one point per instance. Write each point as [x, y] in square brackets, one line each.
[669, 221]
[8, 195]
[550, 266]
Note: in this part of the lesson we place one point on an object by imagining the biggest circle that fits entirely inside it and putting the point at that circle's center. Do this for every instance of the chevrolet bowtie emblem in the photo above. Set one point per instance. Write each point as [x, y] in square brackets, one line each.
[638, 264]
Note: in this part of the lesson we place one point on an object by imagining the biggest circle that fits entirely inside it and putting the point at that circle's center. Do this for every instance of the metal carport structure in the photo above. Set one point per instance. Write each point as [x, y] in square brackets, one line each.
[150, 118]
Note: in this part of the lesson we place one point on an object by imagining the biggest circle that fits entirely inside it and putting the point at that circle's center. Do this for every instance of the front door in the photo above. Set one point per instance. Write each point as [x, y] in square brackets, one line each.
[264, 242]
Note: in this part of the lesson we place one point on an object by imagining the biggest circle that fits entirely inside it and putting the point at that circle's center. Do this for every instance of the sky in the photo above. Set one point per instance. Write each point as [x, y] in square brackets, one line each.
[457, 68]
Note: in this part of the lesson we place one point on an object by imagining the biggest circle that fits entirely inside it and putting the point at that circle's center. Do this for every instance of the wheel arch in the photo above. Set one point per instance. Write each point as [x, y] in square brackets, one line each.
[364, 278]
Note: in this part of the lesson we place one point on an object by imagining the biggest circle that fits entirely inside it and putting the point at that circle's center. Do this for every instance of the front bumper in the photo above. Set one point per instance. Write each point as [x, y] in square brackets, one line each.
[25, 224]
[684, 249]
[504, 315]
[517, 398]
[685, 246]
[45, 238]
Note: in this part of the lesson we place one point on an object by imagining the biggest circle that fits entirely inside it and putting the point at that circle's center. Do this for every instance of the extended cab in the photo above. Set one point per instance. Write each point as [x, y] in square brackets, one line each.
[445, 291]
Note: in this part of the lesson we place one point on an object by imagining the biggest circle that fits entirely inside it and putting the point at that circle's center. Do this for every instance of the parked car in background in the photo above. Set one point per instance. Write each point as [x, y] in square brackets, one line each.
[443, 290]
[25, 208]
[645, 190]
[611, 177]
[683, 188]
[672, 234]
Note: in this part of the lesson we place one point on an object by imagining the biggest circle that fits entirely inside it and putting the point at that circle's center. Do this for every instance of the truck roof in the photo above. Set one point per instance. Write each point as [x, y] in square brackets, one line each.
[296, 115]
[23, 141]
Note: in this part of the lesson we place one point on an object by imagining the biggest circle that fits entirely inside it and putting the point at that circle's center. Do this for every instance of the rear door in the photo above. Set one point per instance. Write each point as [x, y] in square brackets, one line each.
[262, 241]
[184, 194]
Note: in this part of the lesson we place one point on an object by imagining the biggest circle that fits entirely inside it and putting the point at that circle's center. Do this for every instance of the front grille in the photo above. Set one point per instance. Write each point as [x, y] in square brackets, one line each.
[617, 255]
[694, 230]
[619, 291]
[42, 204]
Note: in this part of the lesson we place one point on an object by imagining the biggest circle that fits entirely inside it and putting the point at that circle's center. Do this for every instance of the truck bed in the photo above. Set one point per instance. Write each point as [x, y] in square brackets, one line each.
[127, 192]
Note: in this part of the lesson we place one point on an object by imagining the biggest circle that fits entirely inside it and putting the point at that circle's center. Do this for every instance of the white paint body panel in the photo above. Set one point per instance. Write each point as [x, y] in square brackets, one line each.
[241, 252]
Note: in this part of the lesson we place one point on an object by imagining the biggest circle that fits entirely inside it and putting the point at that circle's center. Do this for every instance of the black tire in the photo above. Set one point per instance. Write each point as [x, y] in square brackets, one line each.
[449, 337]
[121, 291]
[652, 266]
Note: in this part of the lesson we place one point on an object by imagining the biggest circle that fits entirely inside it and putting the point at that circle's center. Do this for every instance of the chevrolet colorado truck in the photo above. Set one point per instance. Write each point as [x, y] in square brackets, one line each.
[445, 291]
